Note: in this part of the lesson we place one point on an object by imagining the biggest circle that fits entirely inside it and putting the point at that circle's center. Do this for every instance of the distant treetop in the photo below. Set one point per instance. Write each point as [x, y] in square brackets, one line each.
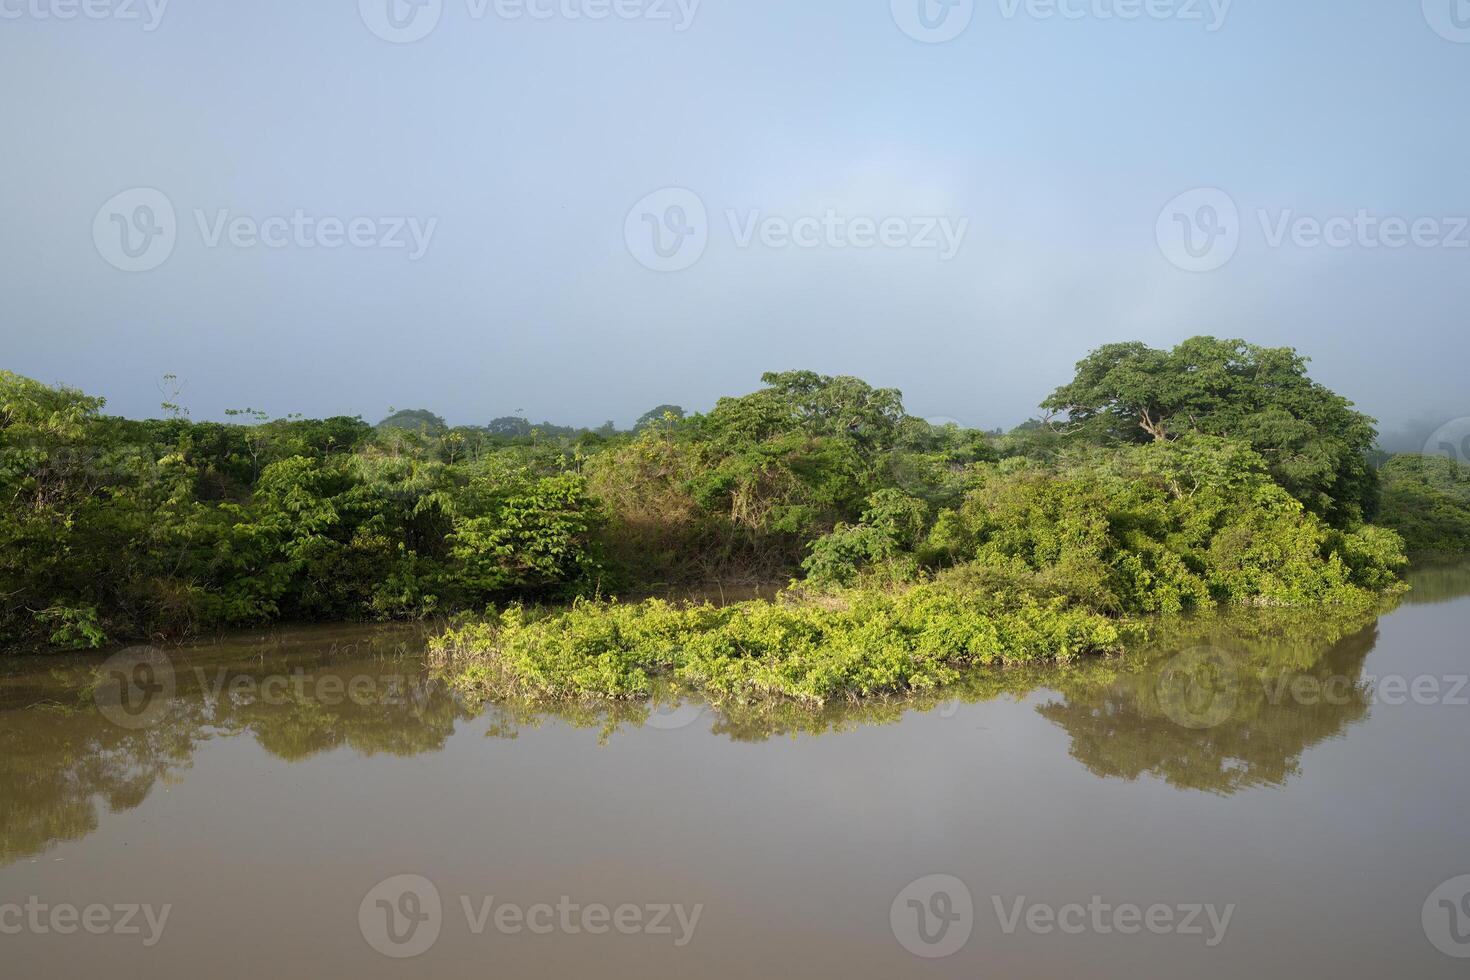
[416, 420]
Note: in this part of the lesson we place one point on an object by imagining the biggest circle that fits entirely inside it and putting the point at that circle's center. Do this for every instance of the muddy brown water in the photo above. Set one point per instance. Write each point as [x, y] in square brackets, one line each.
[311, 803]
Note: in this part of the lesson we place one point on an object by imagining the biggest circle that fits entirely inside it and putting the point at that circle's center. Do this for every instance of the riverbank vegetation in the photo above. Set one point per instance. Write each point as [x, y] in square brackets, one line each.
[1155, 482]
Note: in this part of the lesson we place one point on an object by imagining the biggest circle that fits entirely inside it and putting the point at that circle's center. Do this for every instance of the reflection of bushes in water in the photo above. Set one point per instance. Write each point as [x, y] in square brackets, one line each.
[404, 718]
[61, 758]
[1110, 707]
[1267, 650]
[1128, 728]
[57, 763]
[1439, 582]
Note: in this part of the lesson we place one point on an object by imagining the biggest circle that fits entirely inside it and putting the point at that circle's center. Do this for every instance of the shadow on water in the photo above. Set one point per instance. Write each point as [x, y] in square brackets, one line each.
[1215, 704]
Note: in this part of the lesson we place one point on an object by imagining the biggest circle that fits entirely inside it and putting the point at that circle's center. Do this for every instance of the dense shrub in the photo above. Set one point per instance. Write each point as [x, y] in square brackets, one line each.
[112, 529]
[858, 644]
[1426, 499]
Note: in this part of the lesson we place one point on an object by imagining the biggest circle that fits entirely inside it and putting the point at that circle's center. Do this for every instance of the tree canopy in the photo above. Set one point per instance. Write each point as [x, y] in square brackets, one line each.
[1214, 472]
[1315, 444]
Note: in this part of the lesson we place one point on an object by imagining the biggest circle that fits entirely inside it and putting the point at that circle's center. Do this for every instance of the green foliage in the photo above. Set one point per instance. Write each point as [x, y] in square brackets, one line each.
[418, 420]
[1426, 499]
[1161, 527]
[1040, 563]
[890, 530]
[859, 644]
[527, 537]
[73, 628]
[1213, 473]
[1315, 442]
[663, 414]
[112, 529]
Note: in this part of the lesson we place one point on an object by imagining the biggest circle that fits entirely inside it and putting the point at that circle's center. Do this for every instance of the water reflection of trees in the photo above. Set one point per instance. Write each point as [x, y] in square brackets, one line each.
[1283, 693]
[1292, 679]
[61, 761]
[1439, 582]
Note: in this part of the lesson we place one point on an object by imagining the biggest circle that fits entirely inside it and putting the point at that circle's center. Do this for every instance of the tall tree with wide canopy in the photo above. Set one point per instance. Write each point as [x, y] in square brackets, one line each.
[1314, 441]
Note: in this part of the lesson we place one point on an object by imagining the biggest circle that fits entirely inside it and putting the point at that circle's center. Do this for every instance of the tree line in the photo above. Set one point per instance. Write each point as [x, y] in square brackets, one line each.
[1218, 471]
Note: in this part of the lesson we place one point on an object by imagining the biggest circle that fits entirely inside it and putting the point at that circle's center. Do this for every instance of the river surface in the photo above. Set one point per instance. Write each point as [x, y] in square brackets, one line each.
[1252, 799]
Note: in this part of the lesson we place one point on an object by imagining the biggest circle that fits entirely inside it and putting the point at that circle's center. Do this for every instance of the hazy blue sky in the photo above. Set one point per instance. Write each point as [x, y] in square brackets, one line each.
[1052, 138]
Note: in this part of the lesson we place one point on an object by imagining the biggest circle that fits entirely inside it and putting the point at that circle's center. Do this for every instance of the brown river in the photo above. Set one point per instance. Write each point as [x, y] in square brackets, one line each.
[1248, 799]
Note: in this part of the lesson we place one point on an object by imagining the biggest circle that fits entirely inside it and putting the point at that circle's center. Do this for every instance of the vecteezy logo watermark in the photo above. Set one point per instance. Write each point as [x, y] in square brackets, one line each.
[1363, 229]
[401, 21]
[403, 916]
[1449, 18]
[148, 12]
[1446, 917]
[933, 916]
[406, 21]
[669, 230]
[1199, 688]
[1451, 439]
[1393, 690]
[64, 919]
[838, 231]
[1105, 918]
[1199, 231]
[134, 687]
[325, 690]
[302, 230]
[676, 715]
[136, 230]
[1211, 13]
[933, 21]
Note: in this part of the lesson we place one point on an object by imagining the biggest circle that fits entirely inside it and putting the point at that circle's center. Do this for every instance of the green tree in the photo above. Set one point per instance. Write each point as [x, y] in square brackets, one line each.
[1316, 445]
[656, 415]
[419, 420]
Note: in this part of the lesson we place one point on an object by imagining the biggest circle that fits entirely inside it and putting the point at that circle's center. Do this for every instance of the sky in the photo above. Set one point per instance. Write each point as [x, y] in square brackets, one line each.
[576, 210]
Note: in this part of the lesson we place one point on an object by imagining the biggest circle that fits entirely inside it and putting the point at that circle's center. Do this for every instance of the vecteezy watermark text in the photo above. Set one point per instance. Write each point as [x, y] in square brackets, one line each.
[149, 13]
[65, 919]
[1393, 690]
[300, 687]
[938, 21]
[1201, 230]
[407, 21]
[934, 916]
[1210, 13]
[669, 231]
[837, 231]
[1104, 918]
[138, 229]
[302, 230]
[403, 916]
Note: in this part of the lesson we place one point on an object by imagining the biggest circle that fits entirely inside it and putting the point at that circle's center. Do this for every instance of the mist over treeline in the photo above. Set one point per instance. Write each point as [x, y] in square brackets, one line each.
[1402, 431]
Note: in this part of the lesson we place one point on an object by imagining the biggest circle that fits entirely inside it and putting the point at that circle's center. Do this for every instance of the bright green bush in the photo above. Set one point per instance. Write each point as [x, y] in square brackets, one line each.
[855, 644]
[891, 529]
[1162, 527]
